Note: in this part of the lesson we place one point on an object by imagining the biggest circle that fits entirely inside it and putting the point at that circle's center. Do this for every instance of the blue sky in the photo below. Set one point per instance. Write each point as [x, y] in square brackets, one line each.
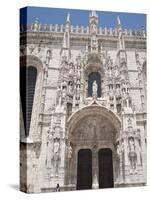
[81, 17]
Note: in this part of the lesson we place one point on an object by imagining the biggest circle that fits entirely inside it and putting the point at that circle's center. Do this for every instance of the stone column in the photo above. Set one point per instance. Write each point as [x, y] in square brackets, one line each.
[95, 182]
[115, 106]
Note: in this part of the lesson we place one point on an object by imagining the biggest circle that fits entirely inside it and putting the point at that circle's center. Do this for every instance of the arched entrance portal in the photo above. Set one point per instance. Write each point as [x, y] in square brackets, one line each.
[105, 161]
[84, 169]
[92, 135]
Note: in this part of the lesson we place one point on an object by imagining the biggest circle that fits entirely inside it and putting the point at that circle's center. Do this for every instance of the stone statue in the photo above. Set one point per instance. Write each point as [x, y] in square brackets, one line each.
[131, 145]
[71, 70]
[132, 154]
[70, 88]
[56, 147]
[93, 29]
[69, 151]
[49, 144]
[48, 57]
[64, 92]
[94, 89]
[56, 155]
[118, 150]
[57, 132]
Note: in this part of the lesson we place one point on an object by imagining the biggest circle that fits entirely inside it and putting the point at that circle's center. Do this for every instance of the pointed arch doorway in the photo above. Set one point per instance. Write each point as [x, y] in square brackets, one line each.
[84, 169]
[94, 128]
[105, 162]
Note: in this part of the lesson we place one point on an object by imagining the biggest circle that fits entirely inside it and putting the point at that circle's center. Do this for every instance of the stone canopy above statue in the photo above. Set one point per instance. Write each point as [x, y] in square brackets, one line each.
[94, 64]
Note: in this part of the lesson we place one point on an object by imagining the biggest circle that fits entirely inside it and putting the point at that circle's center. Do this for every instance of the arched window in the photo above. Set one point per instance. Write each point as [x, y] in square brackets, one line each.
[94, 76]
[28, 77]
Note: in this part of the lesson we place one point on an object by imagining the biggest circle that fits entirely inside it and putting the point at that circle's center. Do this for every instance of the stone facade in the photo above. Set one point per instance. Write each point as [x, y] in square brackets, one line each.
[70, 113]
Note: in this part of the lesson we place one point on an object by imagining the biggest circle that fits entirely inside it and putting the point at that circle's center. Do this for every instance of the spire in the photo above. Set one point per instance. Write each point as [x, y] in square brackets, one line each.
[119, 25]
[68, 18]
[118, 21]
[93, 14]
[121, 43]
[66, 38]
[68, 22]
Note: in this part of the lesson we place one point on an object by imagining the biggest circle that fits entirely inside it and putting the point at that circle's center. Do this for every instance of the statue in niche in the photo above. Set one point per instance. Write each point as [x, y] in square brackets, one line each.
[132, 153]
[56, 157]
[94, 89]
[57, 132]
[64, 92]
[48, 57]
[94, 28]
[71, 70]
[70, 87]
[69, 151]
[49, 143]
[131, 145]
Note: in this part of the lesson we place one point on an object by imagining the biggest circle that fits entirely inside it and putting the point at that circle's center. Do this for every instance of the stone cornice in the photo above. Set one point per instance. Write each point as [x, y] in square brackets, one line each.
[51, 37]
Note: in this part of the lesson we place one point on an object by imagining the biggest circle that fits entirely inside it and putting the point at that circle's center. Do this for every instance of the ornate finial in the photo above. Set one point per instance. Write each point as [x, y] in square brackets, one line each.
[36, 24]
[119, 25]
[93, 14]
[36, 20]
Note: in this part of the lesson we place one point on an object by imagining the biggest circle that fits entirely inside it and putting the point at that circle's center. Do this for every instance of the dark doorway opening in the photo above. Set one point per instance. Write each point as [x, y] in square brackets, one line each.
[84, 171]
[105, 168]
